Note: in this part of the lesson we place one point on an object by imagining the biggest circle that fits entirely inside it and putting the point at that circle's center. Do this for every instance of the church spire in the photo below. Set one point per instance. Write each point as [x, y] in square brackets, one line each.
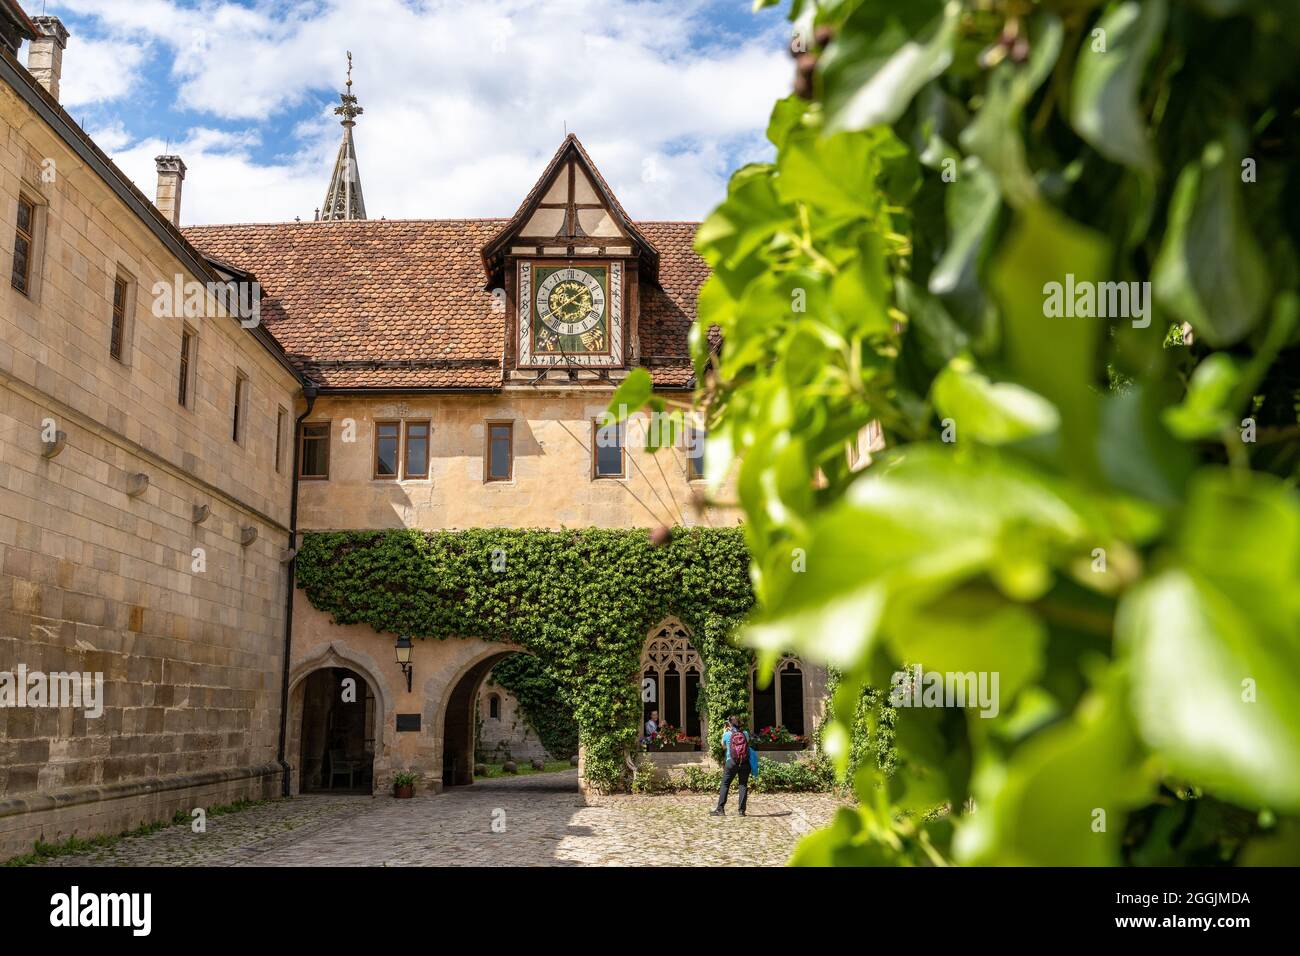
[343, 200]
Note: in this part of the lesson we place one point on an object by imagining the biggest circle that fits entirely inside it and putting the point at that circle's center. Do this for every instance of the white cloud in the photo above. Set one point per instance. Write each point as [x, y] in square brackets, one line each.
[465, 101]
[96, 71]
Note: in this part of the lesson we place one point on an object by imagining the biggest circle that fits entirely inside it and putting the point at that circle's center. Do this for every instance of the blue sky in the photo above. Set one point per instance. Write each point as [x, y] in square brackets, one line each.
[465, 100]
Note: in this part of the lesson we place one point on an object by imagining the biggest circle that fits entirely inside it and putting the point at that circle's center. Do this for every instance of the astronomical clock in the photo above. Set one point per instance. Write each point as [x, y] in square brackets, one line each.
[570, 313]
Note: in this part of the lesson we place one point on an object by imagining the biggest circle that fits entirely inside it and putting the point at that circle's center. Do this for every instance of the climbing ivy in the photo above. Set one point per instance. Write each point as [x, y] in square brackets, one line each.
[542, 702]
[581, 601]
[1047, 252]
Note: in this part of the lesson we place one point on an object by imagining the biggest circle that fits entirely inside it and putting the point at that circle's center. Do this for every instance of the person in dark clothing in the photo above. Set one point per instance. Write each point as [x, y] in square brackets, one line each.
[738, 762]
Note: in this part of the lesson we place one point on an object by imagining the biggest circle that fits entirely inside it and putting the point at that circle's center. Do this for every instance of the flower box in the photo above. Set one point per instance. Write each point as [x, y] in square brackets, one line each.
[685, 746]
[777, 738]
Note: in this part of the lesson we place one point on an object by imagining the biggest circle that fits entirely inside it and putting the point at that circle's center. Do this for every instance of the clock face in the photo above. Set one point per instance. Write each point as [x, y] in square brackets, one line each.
[570, 314]
[570, 310]
[570, 302]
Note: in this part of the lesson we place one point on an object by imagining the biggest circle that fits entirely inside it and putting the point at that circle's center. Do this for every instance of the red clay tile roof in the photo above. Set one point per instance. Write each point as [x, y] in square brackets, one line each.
[667, 314]
[342, 297]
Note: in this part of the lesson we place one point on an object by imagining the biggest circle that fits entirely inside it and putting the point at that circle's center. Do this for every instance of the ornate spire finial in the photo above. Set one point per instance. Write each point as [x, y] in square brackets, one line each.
[343, 199]
[349, 110]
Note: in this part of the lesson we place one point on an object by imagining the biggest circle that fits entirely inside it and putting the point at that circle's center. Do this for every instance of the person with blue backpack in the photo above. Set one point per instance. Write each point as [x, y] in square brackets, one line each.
[740, 761]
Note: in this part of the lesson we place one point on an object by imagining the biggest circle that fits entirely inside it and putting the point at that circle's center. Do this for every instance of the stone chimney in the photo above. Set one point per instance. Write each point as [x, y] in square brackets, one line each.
[45, 55]
[171, 173]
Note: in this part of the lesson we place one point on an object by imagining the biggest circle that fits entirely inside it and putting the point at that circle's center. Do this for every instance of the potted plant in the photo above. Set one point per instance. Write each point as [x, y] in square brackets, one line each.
[778, 738]
[404, 784]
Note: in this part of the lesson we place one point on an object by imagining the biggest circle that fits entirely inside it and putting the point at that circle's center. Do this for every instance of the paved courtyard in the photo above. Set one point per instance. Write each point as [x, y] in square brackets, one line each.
[538, 820]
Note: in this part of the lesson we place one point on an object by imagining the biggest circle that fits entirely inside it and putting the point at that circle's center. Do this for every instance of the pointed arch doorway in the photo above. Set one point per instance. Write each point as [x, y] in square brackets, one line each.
[339, 728]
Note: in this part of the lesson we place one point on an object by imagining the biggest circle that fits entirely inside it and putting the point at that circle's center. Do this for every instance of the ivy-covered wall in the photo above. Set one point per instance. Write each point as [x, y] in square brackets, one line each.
[581, 601]
[542, 702]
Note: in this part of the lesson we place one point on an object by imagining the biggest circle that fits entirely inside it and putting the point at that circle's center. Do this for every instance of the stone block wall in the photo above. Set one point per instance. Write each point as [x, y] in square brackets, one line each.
[507, 735]
[184, 621]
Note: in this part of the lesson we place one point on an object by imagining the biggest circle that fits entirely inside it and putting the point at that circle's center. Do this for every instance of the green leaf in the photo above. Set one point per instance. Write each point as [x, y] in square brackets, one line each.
[882, 57]
[933, 337]
[846, 842]
[1210, 271]
[631, 396]
[992, 413]
[1191, 650]
[1062, 798]
[915, 525]
[972, 203]
[787, 115]
[860, 296]
[834, 173]
[995, 135]
[1053, 356]
[1243, 533]
[1104, 109]
[1136, 450]
[1214, 643]
[972, 633]
[1205, 411]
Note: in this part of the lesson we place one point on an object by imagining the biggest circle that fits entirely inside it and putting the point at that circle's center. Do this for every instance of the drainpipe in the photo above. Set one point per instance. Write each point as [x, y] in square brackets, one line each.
[309, 392]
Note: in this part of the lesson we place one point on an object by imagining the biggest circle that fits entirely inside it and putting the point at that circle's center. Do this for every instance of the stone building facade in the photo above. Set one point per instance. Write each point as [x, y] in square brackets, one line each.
[141, 537]
[443, 402]
[159, 466]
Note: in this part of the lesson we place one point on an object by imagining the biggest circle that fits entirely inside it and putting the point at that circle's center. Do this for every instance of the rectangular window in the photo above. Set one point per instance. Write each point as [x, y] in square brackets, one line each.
[241, 408]
[281, 417]
[694, 453]
[314, 454]
[417, 450]
[185, 384]
[388, 436]
[607, 450]
[501, 451]
[117, 336]
[24, 243]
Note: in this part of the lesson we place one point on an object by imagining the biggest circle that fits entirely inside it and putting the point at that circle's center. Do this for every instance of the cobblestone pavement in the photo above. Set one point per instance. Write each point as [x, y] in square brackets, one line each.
[539, 820]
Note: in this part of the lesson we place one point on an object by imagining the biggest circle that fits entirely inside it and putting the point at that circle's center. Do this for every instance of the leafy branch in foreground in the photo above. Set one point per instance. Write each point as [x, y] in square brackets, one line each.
[1050, 248]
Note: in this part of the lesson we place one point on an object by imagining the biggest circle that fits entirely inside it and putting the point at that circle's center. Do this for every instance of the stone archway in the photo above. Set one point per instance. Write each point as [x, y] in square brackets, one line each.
[338, 735]
[458, 715]
[332, 659]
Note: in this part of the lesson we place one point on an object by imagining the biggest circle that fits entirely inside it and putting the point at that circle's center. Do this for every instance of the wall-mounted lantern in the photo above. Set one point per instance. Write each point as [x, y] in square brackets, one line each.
[404, 658]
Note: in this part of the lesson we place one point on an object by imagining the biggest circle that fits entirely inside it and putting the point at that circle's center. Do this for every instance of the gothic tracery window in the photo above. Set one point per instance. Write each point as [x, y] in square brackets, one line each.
[671, 672]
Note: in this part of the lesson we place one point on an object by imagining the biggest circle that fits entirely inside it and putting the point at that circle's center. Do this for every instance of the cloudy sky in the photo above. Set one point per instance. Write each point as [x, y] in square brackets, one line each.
[465, 100]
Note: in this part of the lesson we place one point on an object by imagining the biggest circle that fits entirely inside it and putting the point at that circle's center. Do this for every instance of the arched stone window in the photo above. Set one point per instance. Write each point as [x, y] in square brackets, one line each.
[671, 672]
[781, 702]
[494, 707]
